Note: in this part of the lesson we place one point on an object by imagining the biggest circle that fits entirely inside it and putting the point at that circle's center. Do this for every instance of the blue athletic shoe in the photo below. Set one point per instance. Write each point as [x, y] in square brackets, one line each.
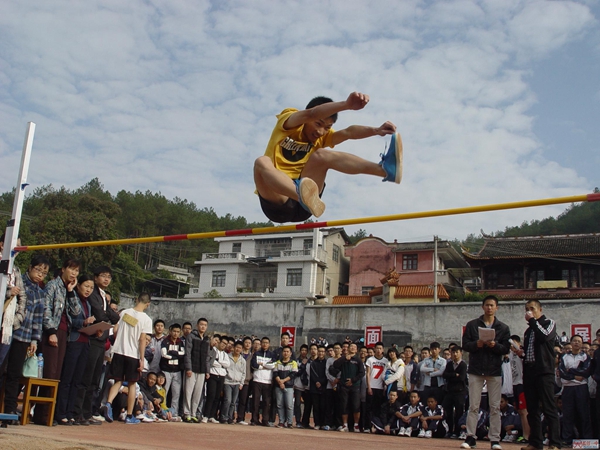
[392, 160]
[308, 196]
[107, 412]
[131, 420]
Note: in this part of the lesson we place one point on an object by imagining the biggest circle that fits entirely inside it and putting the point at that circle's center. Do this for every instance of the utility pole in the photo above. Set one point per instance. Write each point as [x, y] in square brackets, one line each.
[435, 270]
[12, 227]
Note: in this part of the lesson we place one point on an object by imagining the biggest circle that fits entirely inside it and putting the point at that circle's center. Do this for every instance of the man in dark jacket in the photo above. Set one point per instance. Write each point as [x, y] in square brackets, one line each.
[455, 375]
[351, 371]
[90, 380]
[538, 376]
[485, 365]
[195, 361]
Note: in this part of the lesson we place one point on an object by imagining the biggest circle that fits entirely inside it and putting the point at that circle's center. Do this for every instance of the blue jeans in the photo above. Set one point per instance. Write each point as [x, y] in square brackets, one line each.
[285, 404]
[230, 395]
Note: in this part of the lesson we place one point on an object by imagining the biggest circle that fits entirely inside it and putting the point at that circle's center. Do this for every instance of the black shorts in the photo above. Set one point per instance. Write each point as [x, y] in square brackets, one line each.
[290, 211]
[349, 397]
[124, 368]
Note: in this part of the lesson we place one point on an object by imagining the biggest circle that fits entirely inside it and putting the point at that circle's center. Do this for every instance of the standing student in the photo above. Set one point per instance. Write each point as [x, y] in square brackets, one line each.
[262, 365]
[538, 376]
[234, 382]
[433, 370]
[485, 366]
[455, 375]
[27, 336]
[128, 354]
[172, 352]
[90, 381]
[351, 374]
[286, 370]
[215, 378]
[376, 365]
[197, 348]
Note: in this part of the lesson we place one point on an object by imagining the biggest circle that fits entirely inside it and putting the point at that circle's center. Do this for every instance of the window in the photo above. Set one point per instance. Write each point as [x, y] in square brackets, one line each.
[307, 244]
[590, 277]
[366, 289]
[327, 286]
[218, 278]
[294, 277]
[236, 247]
[410, 262]
[335, 254]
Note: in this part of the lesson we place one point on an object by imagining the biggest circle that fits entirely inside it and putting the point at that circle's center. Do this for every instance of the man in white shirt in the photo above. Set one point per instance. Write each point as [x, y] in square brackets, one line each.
[128, 354]
[376, 365]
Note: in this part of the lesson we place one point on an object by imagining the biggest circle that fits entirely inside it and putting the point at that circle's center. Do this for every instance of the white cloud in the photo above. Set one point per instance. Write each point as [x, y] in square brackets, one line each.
[180, 97]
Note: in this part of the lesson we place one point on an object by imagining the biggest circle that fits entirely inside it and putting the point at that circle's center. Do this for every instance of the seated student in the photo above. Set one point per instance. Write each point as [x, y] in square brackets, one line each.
[386, 421]
[409, 416]
[510, 421]
[432, 420]
[164, 414]
[151, 398]
[483, 424]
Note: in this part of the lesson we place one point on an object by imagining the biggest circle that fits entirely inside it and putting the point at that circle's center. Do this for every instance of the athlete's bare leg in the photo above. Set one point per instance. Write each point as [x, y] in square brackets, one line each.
[272, 184]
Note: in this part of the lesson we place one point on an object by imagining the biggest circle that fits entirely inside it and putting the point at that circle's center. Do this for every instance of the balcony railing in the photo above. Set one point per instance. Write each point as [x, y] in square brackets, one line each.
[236, 256]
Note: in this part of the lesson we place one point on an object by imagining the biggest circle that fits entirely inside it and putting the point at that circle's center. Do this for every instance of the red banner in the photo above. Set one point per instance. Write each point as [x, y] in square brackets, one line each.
[373, 335]
[292, 332]
[582, 329]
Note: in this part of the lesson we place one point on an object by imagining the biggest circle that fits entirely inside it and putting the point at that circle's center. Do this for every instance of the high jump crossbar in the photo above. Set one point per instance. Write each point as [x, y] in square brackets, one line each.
[330, 223]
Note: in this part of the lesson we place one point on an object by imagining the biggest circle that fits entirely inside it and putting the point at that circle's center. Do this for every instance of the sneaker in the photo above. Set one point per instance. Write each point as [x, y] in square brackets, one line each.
[522, 440]
[326, 428]
[211, 420]
[93, 421]
[356, 429]
[421, 434]
[470, 442]
[204, 420]
[317, 427]
[428, 434]
[308, 196]
[508, 438]
[463, 435]
[187, 419]
[194, 419]
[546, 441]
[122, 416]
[242, 422]
[402, 431]
[454, 436]
[98, 417]
[140, 416]
[341, 427]
[107, 412]
[131, 420]
[146, 419]
[344, 429]
[496, 446]
[391, 161]
[408, 431]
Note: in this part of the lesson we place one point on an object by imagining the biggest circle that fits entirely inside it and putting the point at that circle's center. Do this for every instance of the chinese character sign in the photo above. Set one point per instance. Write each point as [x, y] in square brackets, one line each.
[372, 336]
[582, 329]
[292, 332]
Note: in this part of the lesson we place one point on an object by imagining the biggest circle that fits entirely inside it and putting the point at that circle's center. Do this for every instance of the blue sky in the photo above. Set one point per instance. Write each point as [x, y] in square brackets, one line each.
[496, 101]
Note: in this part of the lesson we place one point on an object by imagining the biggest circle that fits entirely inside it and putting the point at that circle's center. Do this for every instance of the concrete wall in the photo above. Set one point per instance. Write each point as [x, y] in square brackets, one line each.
[416, 324]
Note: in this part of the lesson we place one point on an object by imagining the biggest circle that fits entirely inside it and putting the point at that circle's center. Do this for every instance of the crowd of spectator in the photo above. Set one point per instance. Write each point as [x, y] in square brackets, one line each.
[138, 370]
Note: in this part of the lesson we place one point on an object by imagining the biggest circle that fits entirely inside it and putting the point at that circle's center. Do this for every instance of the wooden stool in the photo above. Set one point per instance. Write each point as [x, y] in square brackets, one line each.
[29, 399]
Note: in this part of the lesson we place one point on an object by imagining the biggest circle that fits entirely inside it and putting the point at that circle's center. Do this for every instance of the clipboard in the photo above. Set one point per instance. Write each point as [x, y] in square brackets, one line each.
[92, 329]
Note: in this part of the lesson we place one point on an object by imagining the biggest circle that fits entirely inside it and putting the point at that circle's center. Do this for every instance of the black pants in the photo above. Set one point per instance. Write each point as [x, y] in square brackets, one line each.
[318, 409]
[243, 402]
[373, 405]
[264, 390]
[70, 379]
[214, 388]
[90, 380]
[454, 407]
[14, 371]
[539, 391]
[332, 408]
[576, 405]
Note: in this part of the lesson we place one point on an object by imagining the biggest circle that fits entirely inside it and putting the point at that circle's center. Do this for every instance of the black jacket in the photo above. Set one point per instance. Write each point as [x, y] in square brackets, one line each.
[456, 379]
[101, 313]
[543, 333]
[196, 353]
[486, 361]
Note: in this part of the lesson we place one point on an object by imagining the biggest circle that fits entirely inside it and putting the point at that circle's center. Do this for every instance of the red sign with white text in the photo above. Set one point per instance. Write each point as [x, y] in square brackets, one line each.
[292, 332]
[373, 335]
[582, 329]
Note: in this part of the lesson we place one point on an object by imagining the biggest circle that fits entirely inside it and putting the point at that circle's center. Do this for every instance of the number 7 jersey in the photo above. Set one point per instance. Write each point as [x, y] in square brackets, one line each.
[377, 372]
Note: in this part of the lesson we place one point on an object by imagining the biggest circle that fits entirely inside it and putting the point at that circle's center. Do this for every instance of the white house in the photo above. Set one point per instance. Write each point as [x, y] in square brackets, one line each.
[297, 264]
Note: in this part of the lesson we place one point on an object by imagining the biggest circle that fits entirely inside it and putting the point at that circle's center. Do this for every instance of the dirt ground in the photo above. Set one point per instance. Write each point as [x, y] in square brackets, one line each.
[181, 436]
